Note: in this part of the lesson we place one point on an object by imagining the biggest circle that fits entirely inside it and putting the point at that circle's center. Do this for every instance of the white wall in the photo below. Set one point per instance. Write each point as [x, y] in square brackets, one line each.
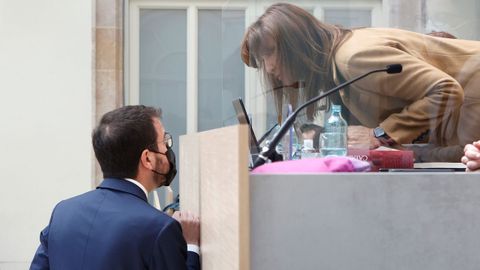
[45, 116]
[457, 17]
[406, 14]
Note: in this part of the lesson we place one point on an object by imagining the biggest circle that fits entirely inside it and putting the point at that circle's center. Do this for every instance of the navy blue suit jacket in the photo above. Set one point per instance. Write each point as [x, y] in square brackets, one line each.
[112, 227]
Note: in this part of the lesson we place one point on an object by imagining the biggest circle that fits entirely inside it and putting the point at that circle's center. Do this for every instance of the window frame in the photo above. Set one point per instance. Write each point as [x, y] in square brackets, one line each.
[255, 100]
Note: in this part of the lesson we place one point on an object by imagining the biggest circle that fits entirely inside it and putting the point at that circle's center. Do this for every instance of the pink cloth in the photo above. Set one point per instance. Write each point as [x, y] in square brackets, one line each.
[314, 165]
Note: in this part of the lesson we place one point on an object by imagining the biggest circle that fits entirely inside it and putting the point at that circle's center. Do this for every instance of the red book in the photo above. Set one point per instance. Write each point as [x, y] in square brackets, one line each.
[387, 159]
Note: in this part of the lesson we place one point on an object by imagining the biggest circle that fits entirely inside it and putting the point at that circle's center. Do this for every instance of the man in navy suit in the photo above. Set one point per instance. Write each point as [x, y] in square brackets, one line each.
[114, 227]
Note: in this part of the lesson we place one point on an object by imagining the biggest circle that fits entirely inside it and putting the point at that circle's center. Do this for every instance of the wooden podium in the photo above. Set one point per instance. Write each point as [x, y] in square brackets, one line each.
[324, 221]
[214, 184]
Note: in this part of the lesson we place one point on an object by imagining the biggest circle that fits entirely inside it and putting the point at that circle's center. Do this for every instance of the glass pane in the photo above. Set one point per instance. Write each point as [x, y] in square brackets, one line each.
[163, 63]
[349, 17]
[220, 69]
[430, 107]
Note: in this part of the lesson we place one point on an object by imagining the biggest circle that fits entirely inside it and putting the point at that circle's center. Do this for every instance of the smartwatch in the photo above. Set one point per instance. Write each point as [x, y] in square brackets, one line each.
[382, 136]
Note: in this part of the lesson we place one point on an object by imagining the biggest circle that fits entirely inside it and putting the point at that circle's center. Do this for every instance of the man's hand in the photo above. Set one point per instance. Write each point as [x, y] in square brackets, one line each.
[190, 226]
[362, 137]
[471, 156]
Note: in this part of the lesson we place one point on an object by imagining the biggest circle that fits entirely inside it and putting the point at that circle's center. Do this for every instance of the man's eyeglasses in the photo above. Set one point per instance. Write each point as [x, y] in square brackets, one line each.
[168, 140]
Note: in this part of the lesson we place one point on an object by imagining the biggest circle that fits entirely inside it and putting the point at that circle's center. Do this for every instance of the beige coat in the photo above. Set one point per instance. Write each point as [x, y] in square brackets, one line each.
[438, 90]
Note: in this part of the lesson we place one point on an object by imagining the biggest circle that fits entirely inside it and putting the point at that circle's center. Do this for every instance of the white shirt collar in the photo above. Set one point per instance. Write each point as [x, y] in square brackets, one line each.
[138, 184]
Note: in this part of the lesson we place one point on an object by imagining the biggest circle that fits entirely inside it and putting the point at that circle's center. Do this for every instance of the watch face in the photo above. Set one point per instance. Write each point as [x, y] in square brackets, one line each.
[378, 132]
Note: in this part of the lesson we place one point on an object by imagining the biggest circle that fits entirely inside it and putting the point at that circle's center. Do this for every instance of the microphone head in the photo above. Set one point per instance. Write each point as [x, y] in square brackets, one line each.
[395, 68]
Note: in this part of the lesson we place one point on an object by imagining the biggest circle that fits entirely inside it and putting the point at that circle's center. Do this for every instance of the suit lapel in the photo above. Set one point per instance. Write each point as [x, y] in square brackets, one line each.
[122, 186]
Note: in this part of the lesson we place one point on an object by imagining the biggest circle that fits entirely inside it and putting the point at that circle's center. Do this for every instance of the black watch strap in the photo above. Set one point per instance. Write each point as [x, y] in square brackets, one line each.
[382, 136]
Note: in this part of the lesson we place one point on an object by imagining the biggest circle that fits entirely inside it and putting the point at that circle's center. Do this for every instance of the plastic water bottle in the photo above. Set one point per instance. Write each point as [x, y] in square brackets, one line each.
[308, 151]
[334, 139]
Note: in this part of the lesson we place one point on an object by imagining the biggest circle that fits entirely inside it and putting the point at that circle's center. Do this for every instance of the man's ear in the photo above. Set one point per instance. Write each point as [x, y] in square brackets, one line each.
[145, 160]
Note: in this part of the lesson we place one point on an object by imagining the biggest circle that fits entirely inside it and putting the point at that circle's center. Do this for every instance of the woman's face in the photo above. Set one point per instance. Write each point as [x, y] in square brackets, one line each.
[271, 60]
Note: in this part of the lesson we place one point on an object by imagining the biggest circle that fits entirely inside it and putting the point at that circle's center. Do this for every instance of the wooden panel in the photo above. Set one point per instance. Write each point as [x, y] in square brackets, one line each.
[189, 173]
[217, 160]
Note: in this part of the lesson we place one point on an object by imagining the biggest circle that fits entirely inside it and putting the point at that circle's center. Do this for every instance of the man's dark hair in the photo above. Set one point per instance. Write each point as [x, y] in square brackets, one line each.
[120, 138]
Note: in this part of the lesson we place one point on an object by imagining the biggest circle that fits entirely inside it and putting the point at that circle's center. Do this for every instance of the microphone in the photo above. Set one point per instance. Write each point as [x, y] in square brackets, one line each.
[269, 150]
[391, 69]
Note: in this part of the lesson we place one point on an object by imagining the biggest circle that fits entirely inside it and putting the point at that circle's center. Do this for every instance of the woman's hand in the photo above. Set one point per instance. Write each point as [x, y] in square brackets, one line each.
[471, 156]
[362, 137]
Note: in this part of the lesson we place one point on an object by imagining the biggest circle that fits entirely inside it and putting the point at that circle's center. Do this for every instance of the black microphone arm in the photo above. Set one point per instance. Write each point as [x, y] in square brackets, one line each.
[267, 133]
[270, 149]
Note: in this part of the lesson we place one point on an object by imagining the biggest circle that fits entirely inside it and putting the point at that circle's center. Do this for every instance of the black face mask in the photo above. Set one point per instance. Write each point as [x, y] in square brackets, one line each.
[173, 166]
